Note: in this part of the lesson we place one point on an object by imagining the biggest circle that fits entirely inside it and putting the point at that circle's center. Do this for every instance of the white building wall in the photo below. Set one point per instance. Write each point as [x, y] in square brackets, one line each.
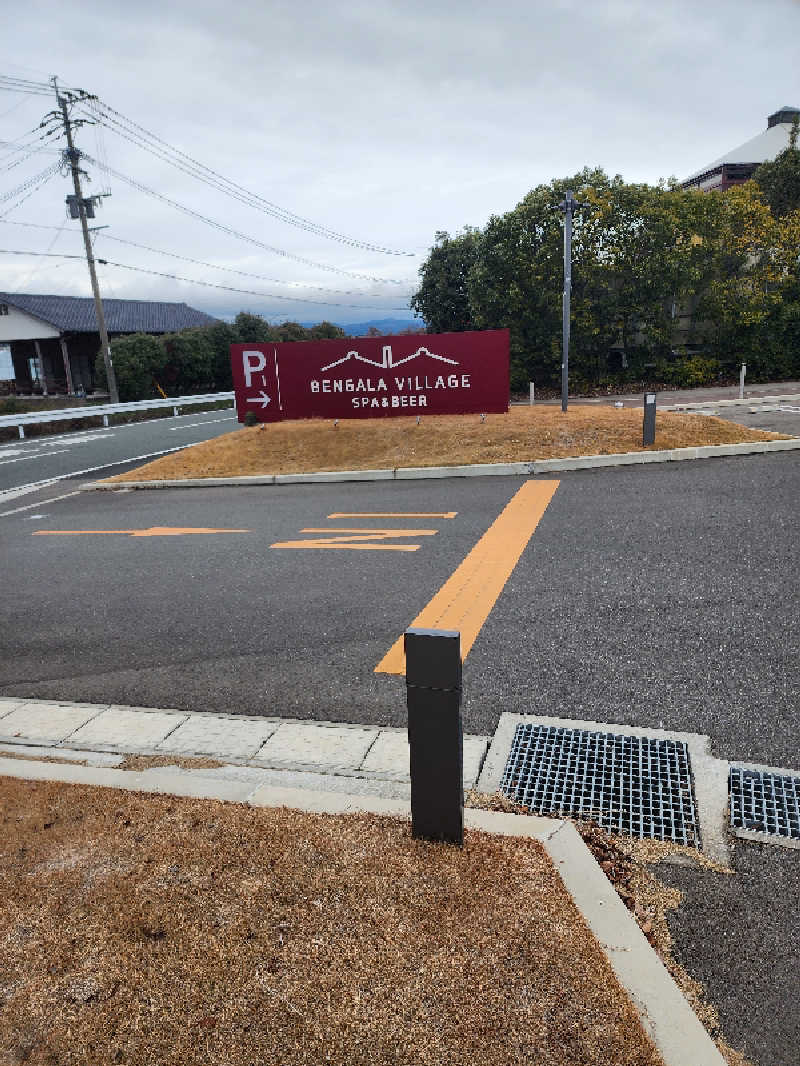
[20, 326]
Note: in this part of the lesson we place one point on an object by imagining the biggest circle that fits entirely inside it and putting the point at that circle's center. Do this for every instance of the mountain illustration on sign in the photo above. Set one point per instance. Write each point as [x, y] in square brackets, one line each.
[388, 361]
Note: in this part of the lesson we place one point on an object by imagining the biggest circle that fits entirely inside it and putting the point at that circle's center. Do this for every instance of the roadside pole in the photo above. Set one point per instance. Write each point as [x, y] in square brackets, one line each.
[72, 157]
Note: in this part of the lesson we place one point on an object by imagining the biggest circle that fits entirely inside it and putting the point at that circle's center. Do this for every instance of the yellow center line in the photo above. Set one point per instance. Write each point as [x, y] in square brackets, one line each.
[469, 594]
[394, 514]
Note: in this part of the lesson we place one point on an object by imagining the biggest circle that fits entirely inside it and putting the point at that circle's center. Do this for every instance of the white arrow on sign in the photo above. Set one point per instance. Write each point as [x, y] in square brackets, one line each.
[263, 399]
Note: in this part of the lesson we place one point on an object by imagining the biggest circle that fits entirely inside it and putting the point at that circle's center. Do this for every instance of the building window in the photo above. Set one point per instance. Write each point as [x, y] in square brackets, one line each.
[3, 309]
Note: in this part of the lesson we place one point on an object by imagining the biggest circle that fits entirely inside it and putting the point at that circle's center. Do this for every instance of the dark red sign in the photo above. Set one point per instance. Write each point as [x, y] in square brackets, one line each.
[373, 377]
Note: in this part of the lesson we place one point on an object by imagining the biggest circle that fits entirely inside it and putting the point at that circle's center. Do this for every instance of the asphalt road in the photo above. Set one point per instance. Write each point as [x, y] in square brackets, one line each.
[36, 460]
[658, 596]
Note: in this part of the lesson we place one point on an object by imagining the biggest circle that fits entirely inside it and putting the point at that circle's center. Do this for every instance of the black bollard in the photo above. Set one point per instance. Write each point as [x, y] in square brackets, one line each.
[649, 421]
[435, 734]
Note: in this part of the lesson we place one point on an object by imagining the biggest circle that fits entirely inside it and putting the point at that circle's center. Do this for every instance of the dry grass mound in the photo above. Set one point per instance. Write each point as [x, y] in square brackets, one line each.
[148, 929]
[523, 434]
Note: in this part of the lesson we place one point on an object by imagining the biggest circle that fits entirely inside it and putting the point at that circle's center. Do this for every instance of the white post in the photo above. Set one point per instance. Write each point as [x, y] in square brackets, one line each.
[742, 373]
[105, 420]
[532, 399]
[21, 433]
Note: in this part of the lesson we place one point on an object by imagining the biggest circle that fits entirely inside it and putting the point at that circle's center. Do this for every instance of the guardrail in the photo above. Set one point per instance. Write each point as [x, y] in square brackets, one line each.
[67, 414]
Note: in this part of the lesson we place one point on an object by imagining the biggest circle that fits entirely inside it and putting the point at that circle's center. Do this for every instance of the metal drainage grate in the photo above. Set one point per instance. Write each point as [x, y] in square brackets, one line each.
[764, 802]
[637, 786]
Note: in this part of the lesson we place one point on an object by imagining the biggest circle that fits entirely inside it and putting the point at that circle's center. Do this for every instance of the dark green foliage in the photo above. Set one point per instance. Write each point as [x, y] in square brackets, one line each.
[442, 298]
[250, 419]
[138, 362]
[325, 331]
[253, 329]
[780, 179]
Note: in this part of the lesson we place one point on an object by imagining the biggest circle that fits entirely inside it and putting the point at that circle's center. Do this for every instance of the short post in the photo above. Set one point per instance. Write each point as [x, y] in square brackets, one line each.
[532, 399]
[175, 412]
[21, 432]
[649, 422]
[105, 420]
[742, 373]
[435, 734]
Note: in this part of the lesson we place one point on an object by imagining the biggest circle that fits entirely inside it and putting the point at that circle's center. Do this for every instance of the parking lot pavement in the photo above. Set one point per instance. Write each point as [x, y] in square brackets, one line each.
[649, 596]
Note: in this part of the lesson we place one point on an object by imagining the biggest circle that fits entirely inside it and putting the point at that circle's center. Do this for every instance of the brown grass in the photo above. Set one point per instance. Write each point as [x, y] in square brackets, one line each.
[525, 433]
[147, 929]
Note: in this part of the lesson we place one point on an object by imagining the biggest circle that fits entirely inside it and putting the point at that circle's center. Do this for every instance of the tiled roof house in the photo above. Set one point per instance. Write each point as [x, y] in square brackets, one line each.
[54, 339]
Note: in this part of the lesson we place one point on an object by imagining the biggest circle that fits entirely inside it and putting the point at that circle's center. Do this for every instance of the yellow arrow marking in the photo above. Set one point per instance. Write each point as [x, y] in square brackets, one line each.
[467, 597]
[359, 539]
[154, 531]
[394, 514]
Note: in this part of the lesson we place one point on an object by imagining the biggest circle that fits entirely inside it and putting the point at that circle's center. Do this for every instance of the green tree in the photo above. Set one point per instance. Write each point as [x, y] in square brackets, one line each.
[291, 331]
[442, 299]
[190, 360]
[325, 331]
[779, 179]
[221, 336]
[138, 363]
[253, 329]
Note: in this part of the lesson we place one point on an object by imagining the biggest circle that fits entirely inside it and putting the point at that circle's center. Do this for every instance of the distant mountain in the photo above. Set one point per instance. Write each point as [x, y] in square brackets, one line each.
[383, 325]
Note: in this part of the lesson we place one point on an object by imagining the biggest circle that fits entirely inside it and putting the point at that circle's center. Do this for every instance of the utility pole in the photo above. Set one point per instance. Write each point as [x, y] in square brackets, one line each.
[567, 205]
[72, 157]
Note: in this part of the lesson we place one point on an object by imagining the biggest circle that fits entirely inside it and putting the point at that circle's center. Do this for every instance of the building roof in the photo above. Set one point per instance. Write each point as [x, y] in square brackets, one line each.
[76, 314]
[767, 145]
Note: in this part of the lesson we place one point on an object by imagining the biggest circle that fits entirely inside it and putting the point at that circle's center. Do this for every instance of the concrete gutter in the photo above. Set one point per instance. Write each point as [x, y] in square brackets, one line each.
[665, 1014]
[524, 469]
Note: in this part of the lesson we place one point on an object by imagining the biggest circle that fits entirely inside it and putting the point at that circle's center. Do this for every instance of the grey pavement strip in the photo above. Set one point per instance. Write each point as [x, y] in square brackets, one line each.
[371, 759]
[665, 1014]
[710, 775]
[526, 469]
[736, 402]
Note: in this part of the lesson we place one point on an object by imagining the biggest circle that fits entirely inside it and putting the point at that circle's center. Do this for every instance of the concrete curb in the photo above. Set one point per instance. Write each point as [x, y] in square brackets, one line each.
[752, 401]
[526, 469]
[665, 1014]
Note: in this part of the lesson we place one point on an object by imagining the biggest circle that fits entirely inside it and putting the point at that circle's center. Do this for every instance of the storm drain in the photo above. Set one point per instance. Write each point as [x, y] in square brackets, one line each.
[764, 802]
[636, 786]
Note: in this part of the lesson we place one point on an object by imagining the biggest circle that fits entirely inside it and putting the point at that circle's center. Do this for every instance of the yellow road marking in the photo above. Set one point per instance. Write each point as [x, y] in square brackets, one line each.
[373, 532]
[394, 514]
[359, 539]
[468, 595]
[154, 531]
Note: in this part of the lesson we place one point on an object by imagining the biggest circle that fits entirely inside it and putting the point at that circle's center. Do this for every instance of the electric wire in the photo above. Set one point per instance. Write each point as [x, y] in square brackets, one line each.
[205, 284]
[235, 233]
[203, 263]
[150, 142]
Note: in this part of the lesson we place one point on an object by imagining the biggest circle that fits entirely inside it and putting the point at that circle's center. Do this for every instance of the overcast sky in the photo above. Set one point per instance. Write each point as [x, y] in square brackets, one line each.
[384, 121]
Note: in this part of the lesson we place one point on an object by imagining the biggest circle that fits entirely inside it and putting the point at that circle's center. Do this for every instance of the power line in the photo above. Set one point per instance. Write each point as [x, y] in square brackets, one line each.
[235, 233]
[202, 262]
[205, 284]
[28, 188]
[24, 85]
[154, 144]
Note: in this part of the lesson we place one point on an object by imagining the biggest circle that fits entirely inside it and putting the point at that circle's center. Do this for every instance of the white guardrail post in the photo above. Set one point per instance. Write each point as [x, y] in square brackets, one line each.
[66, 414]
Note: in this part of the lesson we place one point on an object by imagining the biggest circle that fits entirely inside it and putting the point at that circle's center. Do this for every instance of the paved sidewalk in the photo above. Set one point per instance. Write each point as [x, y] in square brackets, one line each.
[300, 754]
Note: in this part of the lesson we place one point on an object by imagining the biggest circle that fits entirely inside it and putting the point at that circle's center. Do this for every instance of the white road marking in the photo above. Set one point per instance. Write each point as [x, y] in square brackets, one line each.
[22, 458]
[208, 422]
[24, 490]
[30, 506]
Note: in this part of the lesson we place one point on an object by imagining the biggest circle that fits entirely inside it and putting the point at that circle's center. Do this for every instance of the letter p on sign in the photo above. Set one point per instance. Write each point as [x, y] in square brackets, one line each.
[252, 362]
